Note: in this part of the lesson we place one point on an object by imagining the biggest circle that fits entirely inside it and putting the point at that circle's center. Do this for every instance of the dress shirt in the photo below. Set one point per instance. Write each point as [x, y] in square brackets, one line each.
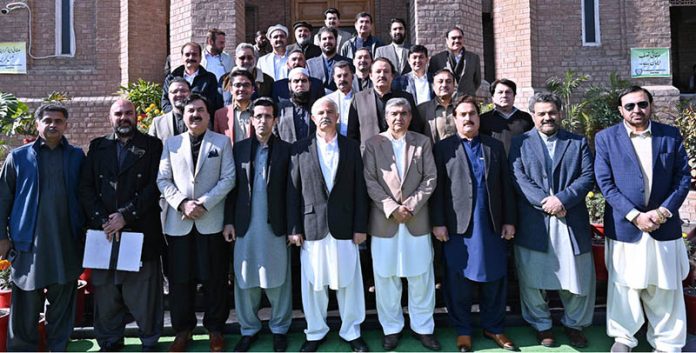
[344, 101]
[214, 64]
[242, 123]
[422, 88]
[190, 78]
[399, 49]
[328, 159]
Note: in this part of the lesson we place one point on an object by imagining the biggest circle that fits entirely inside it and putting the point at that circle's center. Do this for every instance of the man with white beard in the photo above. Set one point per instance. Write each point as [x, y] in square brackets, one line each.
[303, 40]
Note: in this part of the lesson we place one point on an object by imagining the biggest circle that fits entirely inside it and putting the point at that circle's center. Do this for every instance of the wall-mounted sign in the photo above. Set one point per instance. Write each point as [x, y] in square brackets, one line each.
[650, 62]
[13, 58]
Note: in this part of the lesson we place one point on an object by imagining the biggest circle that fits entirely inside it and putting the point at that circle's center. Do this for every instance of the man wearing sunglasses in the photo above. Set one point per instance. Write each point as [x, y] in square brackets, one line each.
[642, 169]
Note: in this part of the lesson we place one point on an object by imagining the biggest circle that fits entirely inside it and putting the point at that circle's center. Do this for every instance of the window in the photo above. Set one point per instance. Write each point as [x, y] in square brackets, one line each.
[590, 23]
[65, 30]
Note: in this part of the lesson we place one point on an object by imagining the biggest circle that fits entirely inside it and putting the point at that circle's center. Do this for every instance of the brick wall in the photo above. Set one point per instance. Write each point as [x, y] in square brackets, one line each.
[688, 209]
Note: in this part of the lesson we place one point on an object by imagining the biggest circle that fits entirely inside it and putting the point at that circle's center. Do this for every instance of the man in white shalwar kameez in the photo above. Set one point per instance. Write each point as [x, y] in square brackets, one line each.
[327, 216]
[642, 169]
[400, 175]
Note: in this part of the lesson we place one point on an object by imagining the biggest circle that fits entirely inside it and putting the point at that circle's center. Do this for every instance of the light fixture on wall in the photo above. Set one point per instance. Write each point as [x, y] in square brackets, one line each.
[13, 6]
[22, 5]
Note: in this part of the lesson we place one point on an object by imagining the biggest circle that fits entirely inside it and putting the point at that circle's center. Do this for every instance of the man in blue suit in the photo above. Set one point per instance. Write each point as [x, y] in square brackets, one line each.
[472, 212]
[552, 171]
[642, 170]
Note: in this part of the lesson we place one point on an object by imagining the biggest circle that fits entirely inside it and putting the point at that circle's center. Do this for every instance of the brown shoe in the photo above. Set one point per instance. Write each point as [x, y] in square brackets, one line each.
[501, 340]
[217, 342]
[546, 338]
[576, 337]
[181, 341]
[464, 343]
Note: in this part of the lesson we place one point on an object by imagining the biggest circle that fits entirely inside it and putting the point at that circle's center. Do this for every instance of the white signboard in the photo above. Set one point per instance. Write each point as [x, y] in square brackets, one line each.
[13, 58]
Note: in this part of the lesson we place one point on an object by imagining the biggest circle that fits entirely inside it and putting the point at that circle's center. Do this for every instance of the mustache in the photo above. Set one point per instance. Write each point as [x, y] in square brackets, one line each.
[548, 121]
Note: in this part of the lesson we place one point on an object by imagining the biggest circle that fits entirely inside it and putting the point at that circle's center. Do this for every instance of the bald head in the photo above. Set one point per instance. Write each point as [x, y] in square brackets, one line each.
[122, 118]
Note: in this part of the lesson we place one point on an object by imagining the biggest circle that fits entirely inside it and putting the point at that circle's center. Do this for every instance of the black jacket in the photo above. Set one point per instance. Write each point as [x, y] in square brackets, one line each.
[314, 211]
[205, 84]
[131, 191]
[238, 203]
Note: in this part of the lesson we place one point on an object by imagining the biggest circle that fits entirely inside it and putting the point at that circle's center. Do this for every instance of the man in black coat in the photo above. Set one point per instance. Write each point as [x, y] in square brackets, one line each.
[202, 82]
[118, 192]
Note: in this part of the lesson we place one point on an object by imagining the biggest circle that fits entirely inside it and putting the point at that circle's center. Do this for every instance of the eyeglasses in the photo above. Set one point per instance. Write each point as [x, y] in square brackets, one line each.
[642, 105]
[241, 85]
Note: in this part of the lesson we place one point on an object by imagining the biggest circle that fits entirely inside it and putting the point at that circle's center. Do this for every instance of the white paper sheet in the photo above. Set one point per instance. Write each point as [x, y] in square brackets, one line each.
[98, 251]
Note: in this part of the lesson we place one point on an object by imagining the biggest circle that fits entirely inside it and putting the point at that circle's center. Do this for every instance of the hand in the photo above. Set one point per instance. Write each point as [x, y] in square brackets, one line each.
[5, 246]
[440, 233]
[562, 213]
[508, 231]
[193, 209]
[113, 226]
[228, 233]
[551, 205]
[359, 238]
[644, 223]
[656, 217]
[402, 214]
[295, 239]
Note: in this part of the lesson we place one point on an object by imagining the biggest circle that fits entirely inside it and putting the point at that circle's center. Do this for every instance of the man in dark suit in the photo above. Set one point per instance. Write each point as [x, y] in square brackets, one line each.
[642, 169]
[366, 115]
[327, 215]
[552, 171]
[398, 50]
[465, 65]
[473, 214]
[505, 121]
[418, 82]
[321, 67]
[303, 40]
[255, 219]
[364, 38]
[202, 82]
[129, 159]
[437, 112]
[281, 88]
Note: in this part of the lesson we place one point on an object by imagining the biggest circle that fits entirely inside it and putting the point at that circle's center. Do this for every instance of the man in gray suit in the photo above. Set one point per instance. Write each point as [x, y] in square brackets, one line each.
[465, 65]
[321, 67]
[552, 171]
[196, 172]
[332, 19]
[398, 50]
[172, 123]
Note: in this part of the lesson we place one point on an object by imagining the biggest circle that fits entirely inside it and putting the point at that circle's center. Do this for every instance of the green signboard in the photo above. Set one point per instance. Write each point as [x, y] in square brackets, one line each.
[650, 62]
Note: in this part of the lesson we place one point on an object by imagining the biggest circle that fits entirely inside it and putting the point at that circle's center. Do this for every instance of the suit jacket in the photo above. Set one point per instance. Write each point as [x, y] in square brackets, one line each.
[224, 122]
[130, 190]
[311, 50]
[265, 64]
[162, 127]
[469, 79]
[205, 83]
[406, 83]
[364, 121]
[452, 202]
[504, 129]
[281, 90]
[316, 70]
[343, 36]
[208, 181]
[238, 204]
[314, 211]
[388, 191]
[285, 128]
[348, 47]
[427, 112]
[571, 180]
[388, 51]
[619, 176]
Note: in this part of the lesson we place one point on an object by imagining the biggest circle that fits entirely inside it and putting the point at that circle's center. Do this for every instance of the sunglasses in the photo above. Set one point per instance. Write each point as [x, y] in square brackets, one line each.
[642, 105]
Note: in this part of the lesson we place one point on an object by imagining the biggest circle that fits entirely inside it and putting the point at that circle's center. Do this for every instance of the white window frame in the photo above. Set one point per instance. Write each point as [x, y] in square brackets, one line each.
[598, 35]
[59, 28]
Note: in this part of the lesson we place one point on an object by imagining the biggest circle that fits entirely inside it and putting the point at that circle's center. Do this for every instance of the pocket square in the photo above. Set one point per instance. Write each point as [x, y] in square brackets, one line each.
[213, 153]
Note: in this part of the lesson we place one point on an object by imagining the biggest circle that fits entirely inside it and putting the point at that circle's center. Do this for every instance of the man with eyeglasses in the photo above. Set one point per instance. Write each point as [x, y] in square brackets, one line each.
[255, 220]
[295, 123]
[245, 58]
[465, 65]
[642, 169]
[234, 119]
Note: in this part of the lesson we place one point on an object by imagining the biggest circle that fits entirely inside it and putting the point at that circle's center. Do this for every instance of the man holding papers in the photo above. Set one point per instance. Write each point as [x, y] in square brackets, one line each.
[196, 172]
[118, 191]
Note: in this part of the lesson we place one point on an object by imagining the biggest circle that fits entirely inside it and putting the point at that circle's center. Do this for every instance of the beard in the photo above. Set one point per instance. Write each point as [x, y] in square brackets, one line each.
[124, 130]
[303, 41]
[398, 39]
[179, 105]
[300, 98]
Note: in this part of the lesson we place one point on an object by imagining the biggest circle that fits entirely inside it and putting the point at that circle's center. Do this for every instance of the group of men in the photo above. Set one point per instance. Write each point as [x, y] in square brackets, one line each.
[364, 154]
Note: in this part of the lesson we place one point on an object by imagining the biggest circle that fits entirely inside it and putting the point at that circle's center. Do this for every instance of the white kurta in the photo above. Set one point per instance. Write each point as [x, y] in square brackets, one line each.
[329, 261]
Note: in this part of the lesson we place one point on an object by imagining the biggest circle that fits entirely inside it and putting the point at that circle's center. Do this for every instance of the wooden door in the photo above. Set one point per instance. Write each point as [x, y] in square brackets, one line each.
[312, 11]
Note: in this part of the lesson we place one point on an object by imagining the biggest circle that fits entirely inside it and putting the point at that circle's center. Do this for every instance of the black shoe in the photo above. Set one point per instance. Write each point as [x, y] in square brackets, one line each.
[280, 342]
[358, 345]
[311, 346]
[112, 347]
[428, 341]
[245, 343]
[390, 342]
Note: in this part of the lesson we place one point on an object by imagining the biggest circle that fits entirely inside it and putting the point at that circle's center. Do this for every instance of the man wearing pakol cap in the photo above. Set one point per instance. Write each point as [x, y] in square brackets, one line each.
[273, 63]
[303, 40]
[295, 123]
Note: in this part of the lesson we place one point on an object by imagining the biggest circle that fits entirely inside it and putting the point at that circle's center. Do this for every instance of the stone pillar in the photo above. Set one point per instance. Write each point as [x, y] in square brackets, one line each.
[191, 19]
[432, 19]
[143, 40]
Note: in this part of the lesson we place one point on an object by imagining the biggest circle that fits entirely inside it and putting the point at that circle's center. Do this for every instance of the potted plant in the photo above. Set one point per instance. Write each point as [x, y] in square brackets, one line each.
[4, 322]
[5, 285]
[595, 207]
